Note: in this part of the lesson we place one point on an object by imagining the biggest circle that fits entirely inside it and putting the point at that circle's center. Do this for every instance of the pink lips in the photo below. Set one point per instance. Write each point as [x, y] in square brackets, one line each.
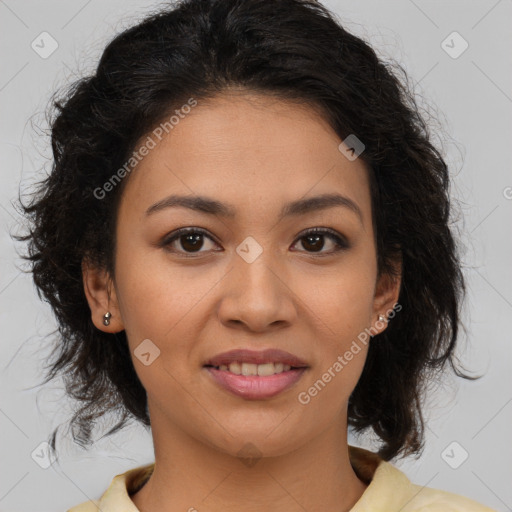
[255, 387]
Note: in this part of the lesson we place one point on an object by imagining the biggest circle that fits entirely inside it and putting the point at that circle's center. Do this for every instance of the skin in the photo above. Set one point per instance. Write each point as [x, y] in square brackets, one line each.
[255, 153]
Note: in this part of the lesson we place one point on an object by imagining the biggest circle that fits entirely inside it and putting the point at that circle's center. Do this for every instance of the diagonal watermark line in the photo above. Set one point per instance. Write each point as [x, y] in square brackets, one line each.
[206, 293]
[501, 409]
[279, 424]
[286, 490]
[197, 401]
[72, 71]
[4, 4]
[192, 192]
[425, 75]
[17, 221]
[218, 485]
[425, 14]
[81, 490]
[9, 213]
[16, 353]
[414, 496]
[495, 289]
[307, 192]
[13, 77]
[121, 450]
[492, 81]
[5, 495]
[508, 506]
[75, 15]
[9, 283]
[332, 332]
[432, 432]
[485, 15]
[492, 211]
[15, 424]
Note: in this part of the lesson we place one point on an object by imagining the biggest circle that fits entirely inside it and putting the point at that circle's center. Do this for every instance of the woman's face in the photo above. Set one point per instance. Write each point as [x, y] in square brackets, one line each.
[248, 277]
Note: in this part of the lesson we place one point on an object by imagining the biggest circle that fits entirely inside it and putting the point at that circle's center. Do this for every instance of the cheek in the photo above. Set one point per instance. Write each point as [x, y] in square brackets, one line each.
[341, 298]
[154, 295]
[325, 396]
[341, 305]
[166, 304]
[343, 309]
[156, 303]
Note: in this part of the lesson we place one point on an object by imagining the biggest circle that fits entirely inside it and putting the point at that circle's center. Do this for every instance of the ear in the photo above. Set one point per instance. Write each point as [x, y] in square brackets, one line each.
[387, 290]
[101, 296]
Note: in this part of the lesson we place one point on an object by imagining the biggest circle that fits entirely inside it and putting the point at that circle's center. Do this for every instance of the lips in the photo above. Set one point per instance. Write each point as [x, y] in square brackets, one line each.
[255, 387]
[256, 375]
[256, 357]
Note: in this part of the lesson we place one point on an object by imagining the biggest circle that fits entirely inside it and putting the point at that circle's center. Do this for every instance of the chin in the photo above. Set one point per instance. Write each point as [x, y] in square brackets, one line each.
[253, 440]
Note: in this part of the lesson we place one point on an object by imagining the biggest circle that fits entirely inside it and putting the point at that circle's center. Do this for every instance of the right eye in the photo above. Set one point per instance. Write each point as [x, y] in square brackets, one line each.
[191, 241]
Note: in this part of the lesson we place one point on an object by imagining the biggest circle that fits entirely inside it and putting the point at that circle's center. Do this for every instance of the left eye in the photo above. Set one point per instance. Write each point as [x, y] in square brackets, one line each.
[192, 241]
[314, 240]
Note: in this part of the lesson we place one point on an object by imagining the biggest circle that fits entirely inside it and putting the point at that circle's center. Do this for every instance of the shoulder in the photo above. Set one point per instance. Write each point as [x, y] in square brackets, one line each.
[117, 495]
[87, 506]
[390, 490]
[436, 500]
[416, 498]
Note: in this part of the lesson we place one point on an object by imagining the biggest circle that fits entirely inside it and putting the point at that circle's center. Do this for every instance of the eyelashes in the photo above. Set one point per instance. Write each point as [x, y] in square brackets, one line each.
[192, 236]
[314, 234]
[191, 241]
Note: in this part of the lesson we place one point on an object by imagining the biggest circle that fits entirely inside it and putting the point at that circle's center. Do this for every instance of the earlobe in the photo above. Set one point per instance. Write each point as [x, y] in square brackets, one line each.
[102, 298]
[386, 296]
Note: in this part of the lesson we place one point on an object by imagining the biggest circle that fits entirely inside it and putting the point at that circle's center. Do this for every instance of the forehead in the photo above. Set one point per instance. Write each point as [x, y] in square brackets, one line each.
[248, 149]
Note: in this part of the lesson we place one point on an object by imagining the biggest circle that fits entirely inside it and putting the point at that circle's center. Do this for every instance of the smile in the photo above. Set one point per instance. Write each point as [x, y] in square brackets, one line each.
[254, 369]
[255, 381]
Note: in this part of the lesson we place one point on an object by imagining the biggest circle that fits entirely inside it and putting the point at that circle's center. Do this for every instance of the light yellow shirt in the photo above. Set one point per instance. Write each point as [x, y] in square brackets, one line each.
[389, 490]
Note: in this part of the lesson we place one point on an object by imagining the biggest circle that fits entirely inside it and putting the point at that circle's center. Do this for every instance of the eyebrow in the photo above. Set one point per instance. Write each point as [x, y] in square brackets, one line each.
[210, 206]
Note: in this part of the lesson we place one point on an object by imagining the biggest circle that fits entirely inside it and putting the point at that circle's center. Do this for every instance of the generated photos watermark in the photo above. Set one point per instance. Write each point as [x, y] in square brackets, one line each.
[304, 397]
[149, 144]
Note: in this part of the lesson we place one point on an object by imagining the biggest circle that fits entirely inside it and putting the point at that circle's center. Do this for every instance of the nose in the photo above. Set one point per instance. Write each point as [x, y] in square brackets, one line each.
[256, 296]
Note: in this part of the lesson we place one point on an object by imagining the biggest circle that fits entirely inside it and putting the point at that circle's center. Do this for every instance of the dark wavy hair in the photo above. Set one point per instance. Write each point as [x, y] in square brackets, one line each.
[294, 50]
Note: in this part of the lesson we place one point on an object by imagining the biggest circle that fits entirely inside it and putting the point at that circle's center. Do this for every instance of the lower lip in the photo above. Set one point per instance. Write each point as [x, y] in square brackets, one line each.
[254, 387]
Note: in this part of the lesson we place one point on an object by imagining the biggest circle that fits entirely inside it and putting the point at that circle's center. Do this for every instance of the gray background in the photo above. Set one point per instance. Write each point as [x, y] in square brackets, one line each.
[472, 97]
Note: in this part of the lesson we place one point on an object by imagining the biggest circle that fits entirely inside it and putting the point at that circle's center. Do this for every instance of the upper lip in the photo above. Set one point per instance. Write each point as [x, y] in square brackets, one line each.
[256, 357]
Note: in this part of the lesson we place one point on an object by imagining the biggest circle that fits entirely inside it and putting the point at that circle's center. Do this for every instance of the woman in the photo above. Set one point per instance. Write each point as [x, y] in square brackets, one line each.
[245, 241]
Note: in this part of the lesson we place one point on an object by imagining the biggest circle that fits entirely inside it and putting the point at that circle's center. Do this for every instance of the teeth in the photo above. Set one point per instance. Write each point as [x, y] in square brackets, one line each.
[255, 369]
[266, 369]
[235, 368]
[249, 369]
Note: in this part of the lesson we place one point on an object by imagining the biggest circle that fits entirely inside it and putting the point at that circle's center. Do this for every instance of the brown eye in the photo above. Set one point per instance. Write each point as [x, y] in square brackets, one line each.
[314, 241]
[190, 241]
[186, 241]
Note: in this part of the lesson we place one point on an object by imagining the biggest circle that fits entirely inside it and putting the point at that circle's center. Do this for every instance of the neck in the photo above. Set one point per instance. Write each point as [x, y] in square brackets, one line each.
[190, 475]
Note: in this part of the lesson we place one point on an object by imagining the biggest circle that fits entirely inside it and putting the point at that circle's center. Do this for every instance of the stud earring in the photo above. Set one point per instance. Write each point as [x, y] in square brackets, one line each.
[106, 318]
[382, 318]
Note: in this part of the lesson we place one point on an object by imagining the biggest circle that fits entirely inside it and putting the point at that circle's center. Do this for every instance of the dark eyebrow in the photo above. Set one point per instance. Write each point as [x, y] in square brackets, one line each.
[312, 204]
[300, 207]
